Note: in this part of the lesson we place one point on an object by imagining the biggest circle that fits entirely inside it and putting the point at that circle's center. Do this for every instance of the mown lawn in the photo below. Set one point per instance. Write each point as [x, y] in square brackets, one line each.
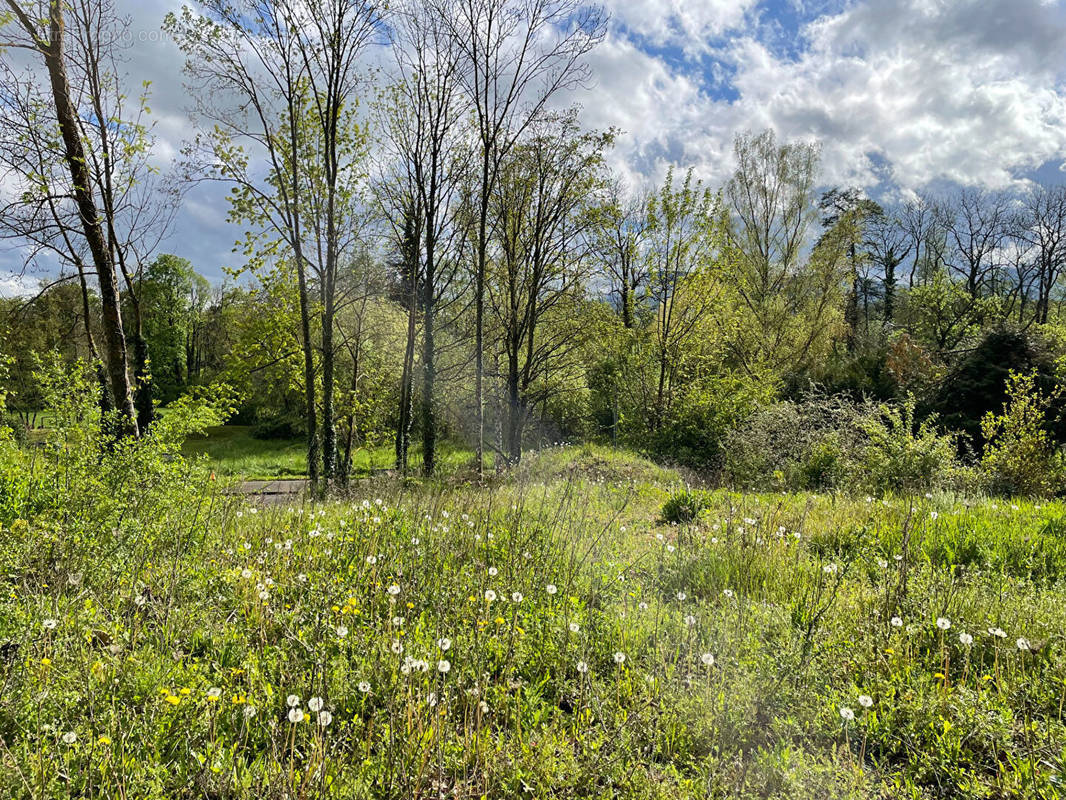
[547, 634]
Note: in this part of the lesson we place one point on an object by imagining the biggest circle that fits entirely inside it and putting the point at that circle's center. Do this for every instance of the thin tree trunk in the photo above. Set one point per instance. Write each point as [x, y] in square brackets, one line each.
[429, 374]
[114, 335]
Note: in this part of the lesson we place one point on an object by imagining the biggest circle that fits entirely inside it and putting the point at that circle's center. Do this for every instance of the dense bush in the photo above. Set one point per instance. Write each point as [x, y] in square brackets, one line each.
[830, 442]
[684, 506]
[1020, 457]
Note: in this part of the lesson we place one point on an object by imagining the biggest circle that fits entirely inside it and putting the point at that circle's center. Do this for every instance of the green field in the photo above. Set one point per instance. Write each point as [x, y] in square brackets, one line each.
[548, 634]
[233, 451]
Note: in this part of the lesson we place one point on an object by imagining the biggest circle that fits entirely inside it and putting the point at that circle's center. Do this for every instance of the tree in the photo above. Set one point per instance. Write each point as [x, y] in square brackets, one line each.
[618, 246]
[785, 308]
[683, 242]
[293, 65]
[544, 205]
[517, 55]
[172, 296]
[40, 26]
[424, 128]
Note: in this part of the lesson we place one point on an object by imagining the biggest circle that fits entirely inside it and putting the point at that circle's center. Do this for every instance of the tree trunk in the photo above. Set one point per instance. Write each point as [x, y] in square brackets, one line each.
[429, 368]
[74, 151]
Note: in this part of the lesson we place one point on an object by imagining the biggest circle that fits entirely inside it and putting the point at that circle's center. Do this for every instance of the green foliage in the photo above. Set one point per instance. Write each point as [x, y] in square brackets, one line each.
[684, 506]
[903, 455]
[825, 443]
[1019, 456]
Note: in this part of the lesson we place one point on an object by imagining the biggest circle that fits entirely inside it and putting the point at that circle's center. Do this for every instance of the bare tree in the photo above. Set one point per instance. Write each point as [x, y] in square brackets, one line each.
[1042, 226]
[889, 245]
[977, 224]
[543, 208]
[517, 55]
[424, 126]
[618, 246]
[40, 26]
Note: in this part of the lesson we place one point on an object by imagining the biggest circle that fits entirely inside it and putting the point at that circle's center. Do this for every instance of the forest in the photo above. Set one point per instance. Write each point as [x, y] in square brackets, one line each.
[669, 489]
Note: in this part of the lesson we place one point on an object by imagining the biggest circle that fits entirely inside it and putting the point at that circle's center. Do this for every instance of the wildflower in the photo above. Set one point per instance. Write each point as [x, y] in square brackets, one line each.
[315, 704]
[681, 596]
[516, 597]
[574, 627]
[728, 593]
[483, 707]
[397, 646]
[493, 571]
[933, 515]
[489, 595]
[296, 715]
[292, 700]
[966, 639]
[999, 633]
[707, 659]
[896, 622]
[830, 569]
[371, 560]
[444, 666]
[444, 643]
[140, 600]
[50, 624]
[642, 606]
[324, 719]
[882, 563]
[249, 712]
[213, 694]
[264, 595]
[619, 658]
[394, 590]
[364, 687]
[173, 700]
[551, 588]
[70, 737]
[1023, 644]
[397, 622]
[846, 714]
[342, 631]
[582, 667]
[104, 740]
[690, 620]
[865, 700]
[943, 623]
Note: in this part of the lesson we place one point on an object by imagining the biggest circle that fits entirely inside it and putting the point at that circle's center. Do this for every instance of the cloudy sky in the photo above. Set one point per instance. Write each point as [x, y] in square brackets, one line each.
[902, 94]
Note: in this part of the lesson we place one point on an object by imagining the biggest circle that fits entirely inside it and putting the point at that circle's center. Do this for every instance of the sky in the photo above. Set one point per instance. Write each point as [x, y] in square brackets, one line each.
[903, 95]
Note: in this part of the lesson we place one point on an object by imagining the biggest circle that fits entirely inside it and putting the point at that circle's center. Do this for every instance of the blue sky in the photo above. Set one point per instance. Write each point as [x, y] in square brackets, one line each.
[903, 95]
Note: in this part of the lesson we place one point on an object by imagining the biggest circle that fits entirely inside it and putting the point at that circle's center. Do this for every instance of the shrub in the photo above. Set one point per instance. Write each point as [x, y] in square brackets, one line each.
[826, 443]
[901, 455]
[684, 506]
[1019, 457]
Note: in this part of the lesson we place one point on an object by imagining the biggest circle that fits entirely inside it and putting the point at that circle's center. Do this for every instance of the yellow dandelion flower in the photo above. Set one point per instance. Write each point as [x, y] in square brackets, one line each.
[46, 662]
[104, 740]
[172, 699]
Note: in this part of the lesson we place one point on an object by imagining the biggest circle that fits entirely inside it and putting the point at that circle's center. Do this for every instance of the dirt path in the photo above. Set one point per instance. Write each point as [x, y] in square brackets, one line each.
[274, 492]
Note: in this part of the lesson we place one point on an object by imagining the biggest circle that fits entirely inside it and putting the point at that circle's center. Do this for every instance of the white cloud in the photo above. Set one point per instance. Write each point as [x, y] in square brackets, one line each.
[914, 91]
[684, 23]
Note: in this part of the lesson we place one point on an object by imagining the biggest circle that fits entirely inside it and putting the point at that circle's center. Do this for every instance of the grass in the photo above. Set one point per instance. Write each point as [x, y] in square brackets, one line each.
[233, 451]
[547, 634]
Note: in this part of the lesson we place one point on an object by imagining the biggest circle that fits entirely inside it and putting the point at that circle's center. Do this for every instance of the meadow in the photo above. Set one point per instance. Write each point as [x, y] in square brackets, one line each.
[585, 626]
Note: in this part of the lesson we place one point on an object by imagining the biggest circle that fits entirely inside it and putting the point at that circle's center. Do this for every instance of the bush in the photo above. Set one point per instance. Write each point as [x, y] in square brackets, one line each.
[826, 443]
[901, 455]
[1019, 457]
[685, 506]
